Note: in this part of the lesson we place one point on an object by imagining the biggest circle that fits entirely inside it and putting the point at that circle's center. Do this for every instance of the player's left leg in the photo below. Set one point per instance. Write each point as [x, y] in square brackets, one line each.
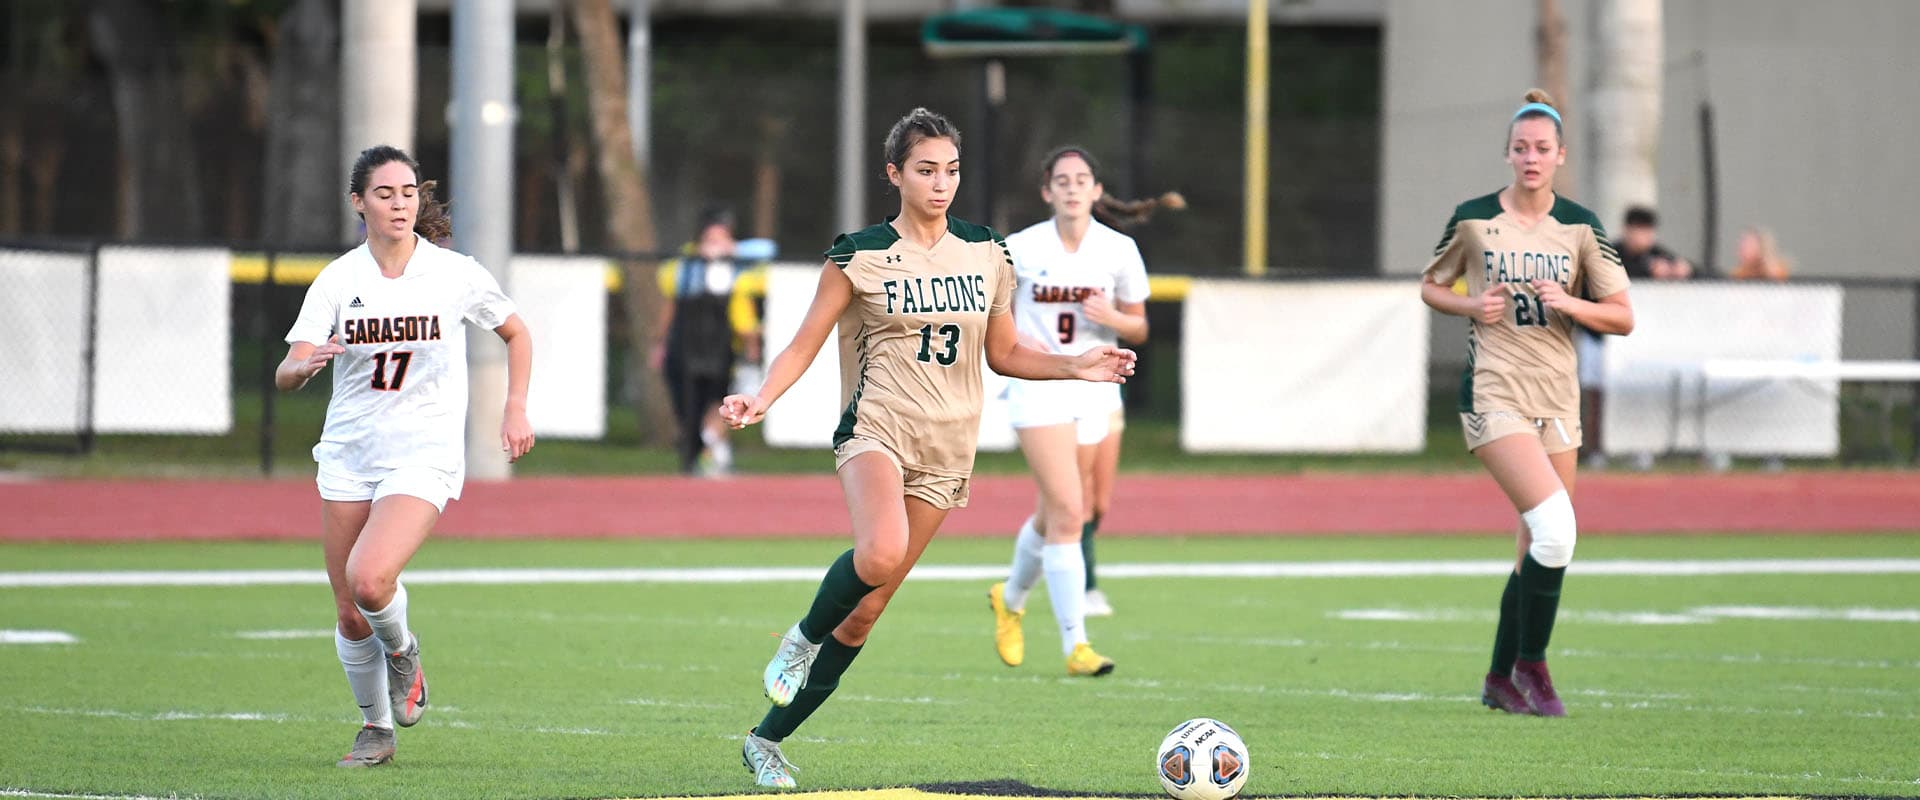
[1543, 568]
[762, 749]
[396, 527]
[1105, 467]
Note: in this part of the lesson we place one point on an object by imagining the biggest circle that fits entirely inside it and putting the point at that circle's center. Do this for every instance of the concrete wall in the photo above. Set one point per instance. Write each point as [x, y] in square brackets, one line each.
[1815, 104]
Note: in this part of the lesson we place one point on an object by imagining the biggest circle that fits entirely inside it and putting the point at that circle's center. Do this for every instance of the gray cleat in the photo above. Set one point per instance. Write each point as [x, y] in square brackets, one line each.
[769, 766]
[371, 747]
[407, 685]
[787, 673]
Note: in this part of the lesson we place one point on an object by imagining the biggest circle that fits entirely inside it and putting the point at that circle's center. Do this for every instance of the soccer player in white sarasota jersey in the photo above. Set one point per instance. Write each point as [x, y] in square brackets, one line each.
[1081, 285]
[393, 451]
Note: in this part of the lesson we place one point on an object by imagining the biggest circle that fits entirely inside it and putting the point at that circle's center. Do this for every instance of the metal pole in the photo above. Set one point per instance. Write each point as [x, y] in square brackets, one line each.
[993, 95]
[269, 393]
[1255, 225]
[851, 209]
[88, 359]
[378, 76]
[640, 78]
[1709, 193]
[482, 177]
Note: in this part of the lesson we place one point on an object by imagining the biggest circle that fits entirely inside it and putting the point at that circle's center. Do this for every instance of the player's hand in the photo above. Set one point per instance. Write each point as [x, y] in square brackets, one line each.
[322, 355]
[1098, 308]
[1104, 364]
[516, 434]
[741, 410]
[1555, 297]
[1493, 303]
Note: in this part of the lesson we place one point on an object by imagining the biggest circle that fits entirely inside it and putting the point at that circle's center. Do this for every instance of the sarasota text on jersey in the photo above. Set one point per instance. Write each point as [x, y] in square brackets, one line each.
[384, 330]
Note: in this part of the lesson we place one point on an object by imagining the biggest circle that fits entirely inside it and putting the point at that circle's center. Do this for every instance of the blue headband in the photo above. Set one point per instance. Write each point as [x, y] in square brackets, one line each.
[1540, 107]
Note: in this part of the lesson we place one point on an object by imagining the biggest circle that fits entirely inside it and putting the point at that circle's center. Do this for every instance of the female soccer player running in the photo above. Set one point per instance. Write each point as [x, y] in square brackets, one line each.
[1535, 264]
[394, 448]
[1081, 285]
[919, 300]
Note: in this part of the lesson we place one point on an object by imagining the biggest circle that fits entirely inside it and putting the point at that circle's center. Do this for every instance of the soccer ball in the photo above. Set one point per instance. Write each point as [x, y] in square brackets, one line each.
[1203, 759]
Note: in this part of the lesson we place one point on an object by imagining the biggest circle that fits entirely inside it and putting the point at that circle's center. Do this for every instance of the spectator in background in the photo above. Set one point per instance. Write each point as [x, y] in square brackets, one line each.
[1642, 255]
[1759, 257]
[696, 341]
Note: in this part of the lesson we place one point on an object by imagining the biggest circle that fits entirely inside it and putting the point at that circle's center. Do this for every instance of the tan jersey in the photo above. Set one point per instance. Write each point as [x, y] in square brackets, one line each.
[1525, 363]
[912, 342]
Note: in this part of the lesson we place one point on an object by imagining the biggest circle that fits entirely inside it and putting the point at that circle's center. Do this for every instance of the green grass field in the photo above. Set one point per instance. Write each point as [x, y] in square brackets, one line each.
[1366, 686]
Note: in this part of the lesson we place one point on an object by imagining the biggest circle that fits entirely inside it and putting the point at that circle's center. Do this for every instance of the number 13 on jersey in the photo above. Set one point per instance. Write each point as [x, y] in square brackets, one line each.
[944, 354]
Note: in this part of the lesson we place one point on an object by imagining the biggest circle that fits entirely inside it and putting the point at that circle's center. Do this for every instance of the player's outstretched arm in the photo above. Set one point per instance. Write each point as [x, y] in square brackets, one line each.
[303, 361]
[1007, 356]
[516, 433]
[830, 300]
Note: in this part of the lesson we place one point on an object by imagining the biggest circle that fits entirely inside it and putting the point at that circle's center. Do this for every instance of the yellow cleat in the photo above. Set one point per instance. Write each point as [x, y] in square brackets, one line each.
[1007, 637]
[1086, 663]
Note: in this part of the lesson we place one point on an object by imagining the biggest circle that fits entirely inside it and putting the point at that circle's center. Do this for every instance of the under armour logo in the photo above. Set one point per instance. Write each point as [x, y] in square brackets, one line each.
[894, 259]
[356, 303]
[1492, 231]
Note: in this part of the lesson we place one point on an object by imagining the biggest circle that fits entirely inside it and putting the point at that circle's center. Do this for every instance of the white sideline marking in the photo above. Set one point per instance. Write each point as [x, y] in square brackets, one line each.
[939, 572]
[32, 793]
[316, 633]
[37, 637]
[1701, 615]
[159, 716]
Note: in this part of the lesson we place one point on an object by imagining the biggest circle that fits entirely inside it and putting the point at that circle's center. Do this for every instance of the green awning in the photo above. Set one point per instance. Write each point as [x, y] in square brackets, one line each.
[1000, 32]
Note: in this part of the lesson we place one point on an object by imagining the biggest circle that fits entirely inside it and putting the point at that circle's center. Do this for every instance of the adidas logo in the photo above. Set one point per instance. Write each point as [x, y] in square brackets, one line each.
[356, 303]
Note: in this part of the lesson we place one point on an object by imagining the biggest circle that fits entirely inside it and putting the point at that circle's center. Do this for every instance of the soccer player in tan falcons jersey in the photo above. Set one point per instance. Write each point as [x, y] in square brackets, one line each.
[919, 300]
[1535, 264]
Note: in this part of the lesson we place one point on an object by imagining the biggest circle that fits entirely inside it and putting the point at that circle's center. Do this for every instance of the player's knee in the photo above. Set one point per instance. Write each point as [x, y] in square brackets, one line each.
[1063, 522]
[371, 589]
[877, 563]
[1552, 529]
[352, 625]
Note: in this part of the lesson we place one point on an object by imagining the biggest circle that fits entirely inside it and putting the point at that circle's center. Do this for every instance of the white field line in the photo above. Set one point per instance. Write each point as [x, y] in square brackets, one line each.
[937, 572]
[11, 792]
[315, 633]
[37, 637]
[1699, 615]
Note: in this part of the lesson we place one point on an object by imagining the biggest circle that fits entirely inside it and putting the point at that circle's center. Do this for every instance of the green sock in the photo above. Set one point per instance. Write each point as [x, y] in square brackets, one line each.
[840, 591]
[1506, 636]
[1086, 548]
[779, 723]
[1539, 604]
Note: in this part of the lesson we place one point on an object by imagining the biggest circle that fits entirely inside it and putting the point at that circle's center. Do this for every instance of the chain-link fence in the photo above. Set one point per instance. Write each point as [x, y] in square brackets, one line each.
[161, 360]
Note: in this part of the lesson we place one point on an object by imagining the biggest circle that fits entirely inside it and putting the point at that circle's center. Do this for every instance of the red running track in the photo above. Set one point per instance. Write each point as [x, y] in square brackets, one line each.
[1145, 504]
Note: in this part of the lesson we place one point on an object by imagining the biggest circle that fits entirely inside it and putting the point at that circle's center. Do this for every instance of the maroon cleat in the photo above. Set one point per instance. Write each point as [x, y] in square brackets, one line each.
[1498, 693]
[1531, 678]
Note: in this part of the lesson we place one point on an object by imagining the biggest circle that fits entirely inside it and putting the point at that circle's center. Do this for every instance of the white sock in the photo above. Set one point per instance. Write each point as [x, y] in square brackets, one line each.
[367, 674]
[1026, 566]
[390, 623]
[722, 451]
[1067, 588]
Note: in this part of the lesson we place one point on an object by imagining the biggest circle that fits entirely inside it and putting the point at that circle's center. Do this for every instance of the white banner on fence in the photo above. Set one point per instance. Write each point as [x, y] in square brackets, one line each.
[163, 362]
[808, 413]
[1325, 367]
[563, 300]
[1653, 389]
[43, 321]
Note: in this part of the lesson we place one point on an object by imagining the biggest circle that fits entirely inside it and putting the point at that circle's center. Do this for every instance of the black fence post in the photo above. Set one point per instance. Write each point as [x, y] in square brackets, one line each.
[268, 391]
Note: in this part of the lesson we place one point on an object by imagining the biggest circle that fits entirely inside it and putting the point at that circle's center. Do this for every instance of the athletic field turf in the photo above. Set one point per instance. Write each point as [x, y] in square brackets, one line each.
[592, 669]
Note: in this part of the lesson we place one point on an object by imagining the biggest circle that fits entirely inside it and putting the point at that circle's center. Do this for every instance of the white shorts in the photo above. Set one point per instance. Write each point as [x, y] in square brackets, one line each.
[1089, 406]
[435, 486]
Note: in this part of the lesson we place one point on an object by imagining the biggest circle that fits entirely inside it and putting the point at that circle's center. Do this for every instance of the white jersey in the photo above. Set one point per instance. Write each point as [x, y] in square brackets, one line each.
[400, 389]
[1053, 282]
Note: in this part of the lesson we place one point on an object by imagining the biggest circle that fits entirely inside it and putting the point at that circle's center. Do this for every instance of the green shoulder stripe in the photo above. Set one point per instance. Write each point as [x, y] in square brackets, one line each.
[1567, 212]
[969, 232]
[1484, 207]
[873, 237]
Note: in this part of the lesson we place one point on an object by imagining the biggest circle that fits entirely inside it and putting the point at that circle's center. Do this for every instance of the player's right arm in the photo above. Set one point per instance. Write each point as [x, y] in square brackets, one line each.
[1449, 264]
[830, 300]
[305, 360]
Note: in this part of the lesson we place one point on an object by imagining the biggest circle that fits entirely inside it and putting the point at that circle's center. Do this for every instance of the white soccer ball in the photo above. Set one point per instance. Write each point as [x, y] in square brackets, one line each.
[1203, 759]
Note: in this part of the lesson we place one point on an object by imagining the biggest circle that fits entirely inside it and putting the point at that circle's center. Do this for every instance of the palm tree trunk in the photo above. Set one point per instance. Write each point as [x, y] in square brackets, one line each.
[629, 208]
[1625, 118]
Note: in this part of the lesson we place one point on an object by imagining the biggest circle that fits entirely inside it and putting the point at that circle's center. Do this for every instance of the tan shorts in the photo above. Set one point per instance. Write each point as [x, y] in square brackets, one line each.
[940, 491]
[1557, 434]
